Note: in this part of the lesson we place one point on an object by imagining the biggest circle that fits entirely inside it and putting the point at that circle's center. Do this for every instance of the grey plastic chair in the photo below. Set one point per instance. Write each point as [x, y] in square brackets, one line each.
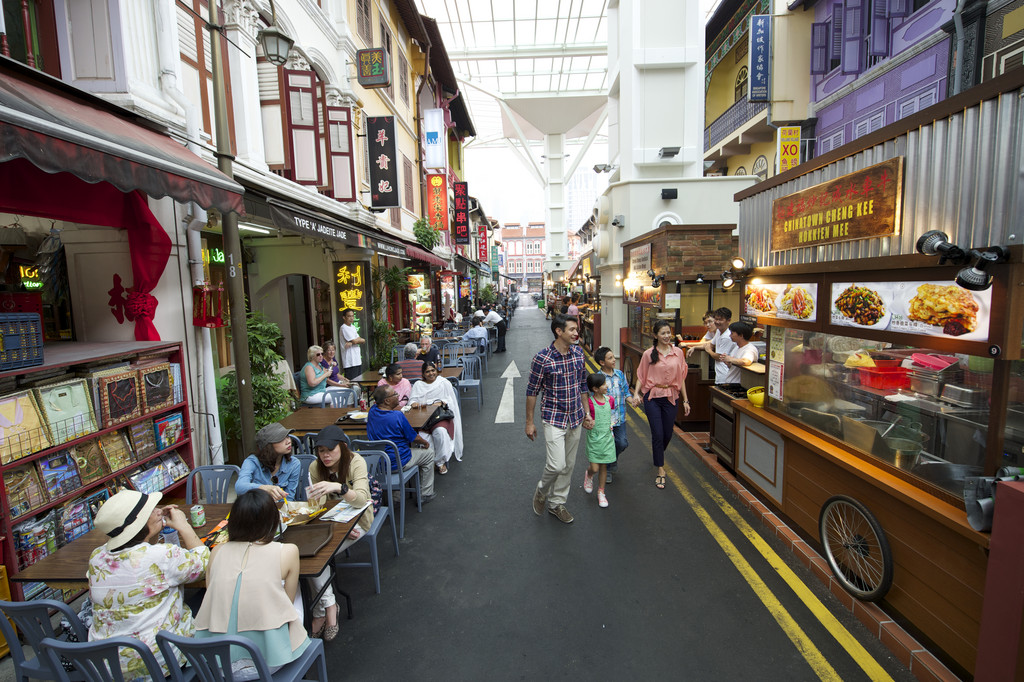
[33, 620]
[305, 461]
[210, 658]
[378, 468]
[345, 397]
[471, 379]
[400, 478]
[216, 481]
[450, 354]
[100, 661]
[299, 447]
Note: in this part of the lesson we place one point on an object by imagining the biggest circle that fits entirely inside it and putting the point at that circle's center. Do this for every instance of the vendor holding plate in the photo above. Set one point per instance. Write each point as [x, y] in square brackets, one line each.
[337, 474]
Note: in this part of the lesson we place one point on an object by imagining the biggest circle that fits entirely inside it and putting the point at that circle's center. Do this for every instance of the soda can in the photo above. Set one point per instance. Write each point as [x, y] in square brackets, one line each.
[362, 404]
[197, 515]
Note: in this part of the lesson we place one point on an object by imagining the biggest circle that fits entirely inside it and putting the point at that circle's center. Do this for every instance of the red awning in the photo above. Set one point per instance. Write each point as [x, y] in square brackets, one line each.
[425, 256]
[58, 128]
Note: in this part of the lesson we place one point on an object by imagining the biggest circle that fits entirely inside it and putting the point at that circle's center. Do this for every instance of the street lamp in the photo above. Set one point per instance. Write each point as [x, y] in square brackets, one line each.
[275, 43]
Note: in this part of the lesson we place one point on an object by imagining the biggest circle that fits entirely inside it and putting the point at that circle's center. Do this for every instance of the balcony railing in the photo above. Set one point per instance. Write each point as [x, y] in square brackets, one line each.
[733, 118]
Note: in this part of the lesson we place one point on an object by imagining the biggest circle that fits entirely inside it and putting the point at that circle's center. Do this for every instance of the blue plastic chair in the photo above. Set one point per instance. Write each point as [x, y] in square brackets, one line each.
[305, 461]
[32, 618]
[400, 478]
[215, 480]
[471, 379]
[377, 466]
[100, 661]
[343, 397]
[210, 658]
[450, 354]
[299, 447]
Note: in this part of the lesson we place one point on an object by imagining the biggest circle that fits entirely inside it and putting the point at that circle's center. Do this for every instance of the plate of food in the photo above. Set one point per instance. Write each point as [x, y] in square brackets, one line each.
[357, 416]
[298, 513]
[951, 308]
[761, 299]
[862, 306]
[796, 303]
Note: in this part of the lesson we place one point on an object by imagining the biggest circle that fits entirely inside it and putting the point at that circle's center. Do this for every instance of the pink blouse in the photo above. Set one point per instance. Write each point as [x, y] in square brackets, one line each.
[403, 388]
[669, 371]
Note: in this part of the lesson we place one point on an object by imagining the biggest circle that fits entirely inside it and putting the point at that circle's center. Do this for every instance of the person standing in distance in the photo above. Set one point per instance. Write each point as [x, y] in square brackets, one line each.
[560, 371]
[352, 355]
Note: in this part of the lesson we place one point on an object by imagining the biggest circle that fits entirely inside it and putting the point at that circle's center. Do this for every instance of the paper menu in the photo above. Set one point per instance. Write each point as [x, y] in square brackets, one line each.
[343, 512]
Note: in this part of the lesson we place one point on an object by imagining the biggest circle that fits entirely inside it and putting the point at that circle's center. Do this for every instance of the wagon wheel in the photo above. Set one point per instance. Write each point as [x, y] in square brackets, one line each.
[856, 548]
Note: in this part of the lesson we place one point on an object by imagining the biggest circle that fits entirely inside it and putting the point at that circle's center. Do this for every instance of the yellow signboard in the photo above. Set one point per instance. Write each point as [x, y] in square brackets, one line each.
[788, 147]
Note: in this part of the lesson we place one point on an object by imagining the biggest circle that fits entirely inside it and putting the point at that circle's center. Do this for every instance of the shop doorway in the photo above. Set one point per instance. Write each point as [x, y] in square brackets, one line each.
[298, 316]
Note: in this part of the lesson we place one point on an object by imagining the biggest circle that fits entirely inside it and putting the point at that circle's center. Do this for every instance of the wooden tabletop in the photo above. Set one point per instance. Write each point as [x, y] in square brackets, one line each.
[312, 419]
[68, 565]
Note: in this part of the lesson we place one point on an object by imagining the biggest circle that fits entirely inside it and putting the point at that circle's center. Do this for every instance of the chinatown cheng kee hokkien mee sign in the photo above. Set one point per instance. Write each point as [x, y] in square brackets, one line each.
[860, 205]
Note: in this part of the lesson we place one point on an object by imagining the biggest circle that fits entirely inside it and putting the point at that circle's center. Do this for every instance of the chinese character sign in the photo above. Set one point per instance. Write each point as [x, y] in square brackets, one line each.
[437, 202]
[789, 147]
[380, 146]
[435, 139]
[373, 69]
[351, 287]
[760, 52]
[481, 243]
[461, 212]
[860, 205]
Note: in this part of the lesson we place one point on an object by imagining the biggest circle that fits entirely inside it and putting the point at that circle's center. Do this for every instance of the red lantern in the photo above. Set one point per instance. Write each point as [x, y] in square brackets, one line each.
[208, 305]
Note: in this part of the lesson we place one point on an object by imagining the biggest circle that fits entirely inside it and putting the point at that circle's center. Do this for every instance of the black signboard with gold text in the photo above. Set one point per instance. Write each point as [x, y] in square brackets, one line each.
[380, 146]
[861, 205]
[461, 221]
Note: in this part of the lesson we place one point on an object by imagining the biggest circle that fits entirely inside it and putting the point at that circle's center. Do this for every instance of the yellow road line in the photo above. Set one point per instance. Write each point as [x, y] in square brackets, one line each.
[859, 654]
[801, 641]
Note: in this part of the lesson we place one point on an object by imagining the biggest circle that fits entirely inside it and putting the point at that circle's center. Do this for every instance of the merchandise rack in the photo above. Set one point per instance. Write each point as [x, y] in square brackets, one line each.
[69, 355]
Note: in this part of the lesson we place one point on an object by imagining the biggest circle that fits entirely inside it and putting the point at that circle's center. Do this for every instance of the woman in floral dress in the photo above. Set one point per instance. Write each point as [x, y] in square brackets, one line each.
[136, 584]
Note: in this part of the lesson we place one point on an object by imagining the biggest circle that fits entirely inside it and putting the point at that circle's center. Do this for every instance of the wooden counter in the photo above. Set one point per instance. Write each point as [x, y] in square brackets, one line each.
[939, 560]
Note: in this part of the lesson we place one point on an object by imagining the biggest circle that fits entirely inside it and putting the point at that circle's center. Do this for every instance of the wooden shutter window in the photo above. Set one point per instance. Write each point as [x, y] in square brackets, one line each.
[819, 49]
[878, 42]
[403, 77]
[407, 172]
[341, 158]
[300, 91]
[363, 21]
[385, 42]
[837, 35]
[899, 8]
[853, 36]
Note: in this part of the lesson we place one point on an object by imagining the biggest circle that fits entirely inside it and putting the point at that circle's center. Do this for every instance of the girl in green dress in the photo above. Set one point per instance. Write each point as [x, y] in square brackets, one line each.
[600, 439]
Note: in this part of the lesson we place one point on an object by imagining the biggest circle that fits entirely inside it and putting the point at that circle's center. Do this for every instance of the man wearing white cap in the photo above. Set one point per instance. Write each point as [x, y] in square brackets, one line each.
[135, 582]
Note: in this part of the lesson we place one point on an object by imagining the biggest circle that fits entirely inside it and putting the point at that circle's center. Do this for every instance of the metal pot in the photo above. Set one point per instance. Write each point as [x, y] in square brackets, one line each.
[911, 433]
[946, 474]
[904, 453]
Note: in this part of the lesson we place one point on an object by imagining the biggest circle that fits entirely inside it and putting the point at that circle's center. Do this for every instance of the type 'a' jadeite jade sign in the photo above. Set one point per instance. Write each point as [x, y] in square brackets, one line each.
[861, 205]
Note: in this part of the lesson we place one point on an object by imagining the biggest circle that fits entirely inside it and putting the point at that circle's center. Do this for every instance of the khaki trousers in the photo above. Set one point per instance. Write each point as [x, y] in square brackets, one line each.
[561, 446]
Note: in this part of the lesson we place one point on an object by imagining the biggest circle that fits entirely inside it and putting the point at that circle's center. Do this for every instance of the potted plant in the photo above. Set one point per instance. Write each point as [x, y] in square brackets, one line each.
[426, 234]
[382, 335]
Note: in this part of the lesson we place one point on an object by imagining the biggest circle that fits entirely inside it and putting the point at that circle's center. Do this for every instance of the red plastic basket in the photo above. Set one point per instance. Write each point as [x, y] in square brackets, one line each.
[885, 377]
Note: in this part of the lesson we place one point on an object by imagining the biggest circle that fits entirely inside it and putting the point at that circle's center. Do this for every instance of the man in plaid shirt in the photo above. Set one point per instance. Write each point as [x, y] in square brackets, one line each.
[560, 372]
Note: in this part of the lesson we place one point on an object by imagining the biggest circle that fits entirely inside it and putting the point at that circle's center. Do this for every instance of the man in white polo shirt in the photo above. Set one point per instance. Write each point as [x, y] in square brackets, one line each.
[351, 354]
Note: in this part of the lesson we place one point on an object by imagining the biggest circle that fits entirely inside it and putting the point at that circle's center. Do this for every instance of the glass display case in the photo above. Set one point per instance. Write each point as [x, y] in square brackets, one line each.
[641, 319]
[922, 412]
[420, 303]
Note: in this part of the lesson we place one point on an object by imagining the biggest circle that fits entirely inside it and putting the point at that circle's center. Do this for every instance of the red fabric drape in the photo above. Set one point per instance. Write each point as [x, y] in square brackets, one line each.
[26, 190]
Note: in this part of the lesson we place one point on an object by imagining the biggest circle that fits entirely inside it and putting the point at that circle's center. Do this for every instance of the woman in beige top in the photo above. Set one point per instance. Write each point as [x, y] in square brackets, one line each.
[339, 474]
[250, 563]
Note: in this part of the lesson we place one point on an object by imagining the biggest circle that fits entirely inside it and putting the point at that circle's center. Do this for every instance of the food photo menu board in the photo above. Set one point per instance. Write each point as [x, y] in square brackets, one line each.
[928, 308]
[782, 301]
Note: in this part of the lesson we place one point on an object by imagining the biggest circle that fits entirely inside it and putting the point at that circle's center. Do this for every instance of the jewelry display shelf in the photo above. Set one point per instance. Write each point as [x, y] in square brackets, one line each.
[67, 355]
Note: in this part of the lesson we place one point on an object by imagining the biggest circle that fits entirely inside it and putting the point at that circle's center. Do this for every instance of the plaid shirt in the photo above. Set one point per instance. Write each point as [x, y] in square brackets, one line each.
[563, 378]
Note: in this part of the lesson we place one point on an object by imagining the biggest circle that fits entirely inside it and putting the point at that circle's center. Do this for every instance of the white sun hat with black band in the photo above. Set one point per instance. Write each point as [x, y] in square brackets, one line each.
[124, 515]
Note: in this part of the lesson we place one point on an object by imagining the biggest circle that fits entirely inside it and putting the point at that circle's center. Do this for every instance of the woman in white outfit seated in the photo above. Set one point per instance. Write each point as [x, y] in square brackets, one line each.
[446, 436]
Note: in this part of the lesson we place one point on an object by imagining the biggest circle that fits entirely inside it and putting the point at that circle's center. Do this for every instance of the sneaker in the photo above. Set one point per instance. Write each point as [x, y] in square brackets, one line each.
[561, 513]
[608, 477]
[602, 501]
[588, 482]
[538, 502]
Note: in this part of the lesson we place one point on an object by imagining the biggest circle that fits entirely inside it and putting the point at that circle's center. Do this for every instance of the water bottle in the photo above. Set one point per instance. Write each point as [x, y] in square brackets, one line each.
[169, 536]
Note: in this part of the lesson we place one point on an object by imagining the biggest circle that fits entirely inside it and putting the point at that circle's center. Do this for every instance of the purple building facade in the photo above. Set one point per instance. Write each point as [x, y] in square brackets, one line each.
[874, 62]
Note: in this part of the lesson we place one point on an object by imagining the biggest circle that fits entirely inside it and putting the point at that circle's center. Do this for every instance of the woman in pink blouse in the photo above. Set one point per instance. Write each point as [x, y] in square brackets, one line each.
[661, 379]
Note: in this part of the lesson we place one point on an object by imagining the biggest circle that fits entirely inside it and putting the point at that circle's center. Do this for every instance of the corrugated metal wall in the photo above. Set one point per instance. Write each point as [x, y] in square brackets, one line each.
[963, 175]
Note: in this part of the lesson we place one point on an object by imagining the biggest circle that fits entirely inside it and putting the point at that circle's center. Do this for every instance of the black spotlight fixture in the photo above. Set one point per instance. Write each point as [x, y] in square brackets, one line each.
[700, 278]
[936, 242]
[656, 279]
[728, 279]
[977, 278]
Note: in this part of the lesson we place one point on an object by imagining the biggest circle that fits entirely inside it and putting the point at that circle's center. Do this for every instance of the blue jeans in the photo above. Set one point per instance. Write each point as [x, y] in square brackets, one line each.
[661, 416]
[621, 443]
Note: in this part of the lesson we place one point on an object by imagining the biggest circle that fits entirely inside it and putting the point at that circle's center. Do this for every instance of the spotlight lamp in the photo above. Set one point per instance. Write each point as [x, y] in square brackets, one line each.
[738, 263]
[936, 242]
[976, 277]
[700, 278]
[728, 279]
[656, 279]
[618, 280]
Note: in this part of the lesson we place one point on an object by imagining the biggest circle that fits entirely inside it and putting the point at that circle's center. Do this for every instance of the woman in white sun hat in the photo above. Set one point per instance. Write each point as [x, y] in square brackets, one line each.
[135, 584]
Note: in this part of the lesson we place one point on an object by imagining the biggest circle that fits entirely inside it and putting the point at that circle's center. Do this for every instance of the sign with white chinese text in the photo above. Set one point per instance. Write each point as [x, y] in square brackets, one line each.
[380, 146]
[760, 52]
[372, 68]
[461, 212]
[861, 205]
[481, 243]
[437, 202]
[435, 139]
[788, 147]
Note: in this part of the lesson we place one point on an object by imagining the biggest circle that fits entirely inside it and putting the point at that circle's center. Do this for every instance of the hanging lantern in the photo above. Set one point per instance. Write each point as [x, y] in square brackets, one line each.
[208, 305]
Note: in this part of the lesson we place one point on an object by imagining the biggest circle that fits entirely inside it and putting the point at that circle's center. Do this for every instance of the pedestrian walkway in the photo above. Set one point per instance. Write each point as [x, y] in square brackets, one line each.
[680, 584]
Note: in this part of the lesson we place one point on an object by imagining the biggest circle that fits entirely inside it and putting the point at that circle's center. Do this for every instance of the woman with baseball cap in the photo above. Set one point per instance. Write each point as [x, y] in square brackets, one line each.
[337, 474]
[136, 584]
[272, 468]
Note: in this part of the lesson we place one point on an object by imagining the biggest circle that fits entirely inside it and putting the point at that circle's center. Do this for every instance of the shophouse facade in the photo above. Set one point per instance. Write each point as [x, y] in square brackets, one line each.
[524, 254]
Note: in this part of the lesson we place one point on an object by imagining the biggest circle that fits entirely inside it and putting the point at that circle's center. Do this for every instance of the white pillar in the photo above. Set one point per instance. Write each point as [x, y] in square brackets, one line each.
[554, 199]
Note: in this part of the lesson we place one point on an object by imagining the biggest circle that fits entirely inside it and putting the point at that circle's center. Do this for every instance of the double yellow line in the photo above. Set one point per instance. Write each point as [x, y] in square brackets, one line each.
[815, 659]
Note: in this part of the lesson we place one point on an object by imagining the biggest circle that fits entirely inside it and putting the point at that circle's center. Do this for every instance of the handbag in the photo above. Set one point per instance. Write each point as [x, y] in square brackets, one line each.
[440, 414]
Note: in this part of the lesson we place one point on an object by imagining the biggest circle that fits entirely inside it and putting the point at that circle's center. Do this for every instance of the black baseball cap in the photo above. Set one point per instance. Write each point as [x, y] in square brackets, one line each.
[330, 436]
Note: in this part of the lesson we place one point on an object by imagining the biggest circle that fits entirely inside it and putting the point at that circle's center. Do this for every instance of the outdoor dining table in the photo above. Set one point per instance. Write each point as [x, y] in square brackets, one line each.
[66, 568]
[312, 419]
[370, 378]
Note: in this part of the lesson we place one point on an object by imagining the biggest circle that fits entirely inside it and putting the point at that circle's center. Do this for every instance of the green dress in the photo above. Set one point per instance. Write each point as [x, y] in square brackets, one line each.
[600, 439]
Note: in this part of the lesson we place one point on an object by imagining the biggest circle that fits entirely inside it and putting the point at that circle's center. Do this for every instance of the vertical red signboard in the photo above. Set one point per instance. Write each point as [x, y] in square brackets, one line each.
[481, 243]
[437, 202]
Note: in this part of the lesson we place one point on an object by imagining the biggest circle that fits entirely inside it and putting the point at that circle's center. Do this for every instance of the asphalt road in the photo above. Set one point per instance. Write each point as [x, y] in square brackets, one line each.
[663, 584]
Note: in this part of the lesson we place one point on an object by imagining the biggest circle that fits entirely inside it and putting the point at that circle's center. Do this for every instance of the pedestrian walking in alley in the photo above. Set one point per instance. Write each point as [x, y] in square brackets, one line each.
[559, 371]
[661, 379]
[600, 439]
[618, 388]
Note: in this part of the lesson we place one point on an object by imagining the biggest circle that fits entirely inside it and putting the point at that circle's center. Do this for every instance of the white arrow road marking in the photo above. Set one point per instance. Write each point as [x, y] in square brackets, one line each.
[507, 407]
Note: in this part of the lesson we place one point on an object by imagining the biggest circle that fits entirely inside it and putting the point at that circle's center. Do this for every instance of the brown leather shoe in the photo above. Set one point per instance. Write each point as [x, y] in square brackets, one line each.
[561, 513]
